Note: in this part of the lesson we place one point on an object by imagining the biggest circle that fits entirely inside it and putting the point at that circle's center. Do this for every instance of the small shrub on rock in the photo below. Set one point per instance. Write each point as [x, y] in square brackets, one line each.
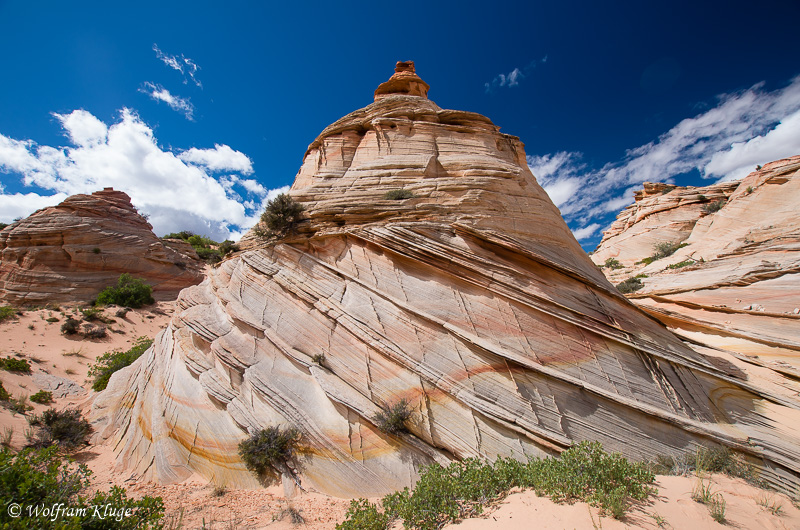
[280, 217]
[110, 362]
[612, 263]
[713, 207]
[398, 195]
[269, 449]
[228, 247]
[43, 397]
[67, 427]
[393, 420]
[129, 292]
[630, 285]
[94, 332]
[4, 395]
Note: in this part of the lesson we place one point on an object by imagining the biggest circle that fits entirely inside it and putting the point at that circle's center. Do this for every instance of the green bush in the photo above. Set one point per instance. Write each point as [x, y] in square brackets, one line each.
[398, 195]
[184, 234]
[41, 478]
[269, 449]
[612, 263]
[717, 459]
[3, 225]
[4, 395]
[393, 420]
[112, 361]
[714, 207]
[702, 198]
[70, 326]
[67, 427]
[18, 405]
[209, 255]
[228, 247]
[630, 285]
[280, 217]
[93, 314]
[7, 312]
[129, 292]
[10, 364]
[363, 515]
[666, 248]
[583, 473]
[43, 397]
[682, 264]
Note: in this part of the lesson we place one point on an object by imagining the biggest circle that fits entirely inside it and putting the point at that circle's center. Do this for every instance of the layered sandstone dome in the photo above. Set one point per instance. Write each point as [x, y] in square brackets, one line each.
[735, 285]
[72, 251]
[471, 300]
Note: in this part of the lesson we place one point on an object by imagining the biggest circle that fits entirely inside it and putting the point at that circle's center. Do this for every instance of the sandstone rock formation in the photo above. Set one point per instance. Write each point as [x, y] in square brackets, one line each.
[735, 286]
[72, 251]
[471, 300]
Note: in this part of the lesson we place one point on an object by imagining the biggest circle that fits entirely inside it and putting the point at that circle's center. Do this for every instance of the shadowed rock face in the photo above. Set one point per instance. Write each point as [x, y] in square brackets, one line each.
[72, 251]
[738, 284]
[471, 300]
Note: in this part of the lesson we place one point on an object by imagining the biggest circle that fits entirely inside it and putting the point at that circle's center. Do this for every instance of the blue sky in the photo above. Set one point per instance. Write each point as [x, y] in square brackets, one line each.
[200, 110]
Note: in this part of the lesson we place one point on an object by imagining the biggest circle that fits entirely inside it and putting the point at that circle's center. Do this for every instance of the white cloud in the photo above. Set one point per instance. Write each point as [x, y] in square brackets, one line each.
[182, 64]
[586, 232]
[745, 128]
[176, 103]
[17, 205]
[178, 195]
[781, 142]
[253, 187]
[514, 76]
[221, 158]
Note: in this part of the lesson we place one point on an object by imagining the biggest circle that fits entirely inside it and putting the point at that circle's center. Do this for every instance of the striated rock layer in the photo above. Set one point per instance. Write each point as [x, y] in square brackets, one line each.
[471, 300]
[735, 286]
[72, 251]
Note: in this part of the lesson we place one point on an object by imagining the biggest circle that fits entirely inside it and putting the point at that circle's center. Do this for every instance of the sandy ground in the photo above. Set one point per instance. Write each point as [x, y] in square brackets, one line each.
[196, 504]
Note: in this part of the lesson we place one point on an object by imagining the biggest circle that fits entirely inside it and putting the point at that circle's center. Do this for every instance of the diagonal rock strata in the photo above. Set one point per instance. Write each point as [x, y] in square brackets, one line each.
[471, 300]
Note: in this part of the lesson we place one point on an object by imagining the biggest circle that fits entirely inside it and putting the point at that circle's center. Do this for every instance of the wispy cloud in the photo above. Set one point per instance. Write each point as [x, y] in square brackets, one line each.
[514, 77]
[182, 64]
[745, 128]
[586, 232]
[178, 190]
[176, 103]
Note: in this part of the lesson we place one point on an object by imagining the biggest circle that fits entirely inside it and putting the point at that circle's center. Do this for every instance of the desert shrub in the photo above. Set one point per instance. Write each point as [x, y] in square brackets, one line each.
[713, 207]
[10, 364]
[398, 195]
[269, 449]
[183, 234]
[51, 319]
[667, 189]
[228, 247]
[318, 358]
[129, 292]
[682, 264]
[209, 255]
[758, 167]
[709, 459]
[646, 261]
[702, 198]
[280, 216]
[749, 189]
[112, 361]
[7, 312]
[393, 420]
[584, 472]
[93, 314]
[70, 326]
[95, 332]
[666, 248]
[4, 395]
[3, 225]
[363, 515]
[43, 397]
[630, 285]
[42, 478]
[67, 427]
[612, 263]
[18, 405]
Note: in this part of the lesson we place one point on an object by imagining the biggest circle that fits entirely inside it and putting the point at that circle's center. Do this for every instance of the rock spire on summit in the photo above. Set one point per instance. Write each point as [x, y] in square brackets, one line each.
[405, 81]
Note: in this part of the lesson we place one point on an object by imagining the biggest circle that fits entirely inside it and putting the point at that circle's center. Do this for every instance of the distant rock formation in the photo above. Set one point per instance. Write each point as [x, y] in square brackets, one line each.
[70, 252]
[735, 285]
[470, 299]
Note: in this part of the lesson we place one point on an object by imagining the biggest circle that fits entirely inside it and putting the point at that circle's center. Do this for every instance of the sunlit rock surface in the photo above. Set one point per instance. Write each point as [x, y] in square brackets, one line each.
[471, 300]
[735, 286]
[70, 252]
